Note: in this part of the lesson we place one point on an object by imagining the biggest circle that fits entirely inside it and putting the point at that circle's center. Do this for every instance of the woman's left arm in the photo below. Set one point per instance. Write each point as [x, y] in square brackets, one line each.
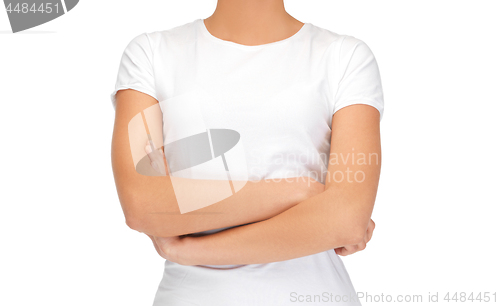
[337, 217]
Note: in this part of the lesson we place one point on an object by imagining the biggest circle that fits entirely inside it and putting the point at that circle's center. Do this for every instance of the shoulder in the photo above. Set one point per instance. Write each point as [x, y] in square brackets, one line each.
[348, 48]
[340, 45]
[176, 36]
[353, 46]
[151, 40]
[332, 37]
[324, 37]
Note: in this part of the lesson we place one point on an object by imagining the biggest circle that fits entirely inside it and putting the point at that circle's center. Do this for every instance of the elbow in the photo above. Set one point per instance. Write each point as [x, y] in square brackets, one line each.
[355, 236]
[356, 232]
[356, 223]
[345, 235]
[138, 219]
[139, 223]
[135, 223]
[134, 215]
[134, 218]
[150, 225]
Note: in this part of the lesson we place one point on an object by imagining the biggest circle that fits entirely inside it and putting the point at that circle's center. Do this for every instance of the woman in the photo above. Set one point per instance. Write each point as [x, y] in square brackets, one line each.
[304, 102]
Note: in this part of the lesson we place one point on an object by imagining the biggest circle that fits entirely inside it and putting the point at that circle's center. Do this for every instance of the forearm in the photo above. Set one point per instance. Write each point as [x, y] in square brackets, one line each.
[314, 225]
[256, 201]
[152, 205]
[337, 217]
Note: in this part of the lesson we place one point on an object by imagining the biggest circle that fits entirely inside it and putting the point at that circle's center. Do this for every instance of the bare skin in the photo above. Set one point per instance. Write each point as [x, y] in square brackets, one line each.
[247, 23]
[149, 202]
[169, 247]
[338, 218]
[253, 22]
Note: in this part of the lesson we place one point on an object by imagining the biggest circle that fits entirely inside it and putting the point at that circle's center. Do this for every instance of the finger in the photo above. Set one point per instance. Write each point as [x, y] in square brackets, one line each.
[158, 246]
[371, 225]
[361, 246]
[344, 251]
[350, 251]
[164, 245]
[351, 248]
[369, 236]
[370, 231]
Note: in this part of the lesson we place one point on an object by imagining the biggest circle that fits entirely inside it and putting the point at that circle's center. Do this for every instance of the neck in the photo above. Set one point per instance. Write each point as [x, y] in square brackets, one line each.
[251, 22]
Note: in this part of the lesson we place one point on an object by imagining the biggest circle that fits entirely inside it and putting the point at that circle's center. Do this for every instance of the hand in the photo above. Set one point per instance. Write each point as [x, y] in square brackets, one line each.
[156, 158]
[351, 249]
[167, 247]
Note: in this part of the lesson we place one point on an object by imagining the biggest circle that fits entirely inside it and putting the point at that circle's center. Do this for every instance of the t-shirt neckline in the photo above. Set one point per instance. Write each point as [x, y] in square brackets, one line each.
[209, 35]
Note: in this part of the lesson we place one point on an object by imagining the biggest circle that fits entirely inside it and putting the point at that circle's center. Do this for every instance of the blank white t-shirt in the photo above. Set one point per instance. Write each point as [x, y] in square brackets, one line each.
[280, 97]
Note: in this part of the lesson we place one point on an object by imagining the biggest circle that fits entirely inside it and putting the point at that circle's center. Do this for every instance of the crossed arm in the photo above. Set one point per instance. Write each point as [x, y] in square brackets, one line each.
[287, 224]
[149, 202]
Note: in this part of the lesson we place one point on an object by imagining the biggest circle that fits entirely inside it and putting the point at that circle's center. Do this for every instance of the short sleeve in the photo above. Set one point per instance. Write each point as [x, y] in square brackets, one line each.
[136, 68]
[357, 79]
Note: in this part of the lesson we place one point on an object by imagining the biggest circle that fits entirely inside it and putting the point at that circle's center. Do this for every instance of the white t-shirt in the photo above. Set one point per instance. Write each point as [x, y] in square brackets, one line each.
[280, 97]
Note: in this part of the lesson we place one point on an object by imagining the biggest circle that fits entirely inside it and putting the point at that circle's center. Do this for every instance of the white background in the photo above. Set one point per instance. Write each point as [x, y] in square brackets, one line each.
[63, 235]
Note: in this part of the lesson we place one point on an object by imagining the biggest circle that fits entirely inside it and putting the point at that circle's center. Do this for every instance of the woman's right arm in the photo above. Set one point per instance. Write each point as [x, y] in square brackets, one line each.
[149, 202]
